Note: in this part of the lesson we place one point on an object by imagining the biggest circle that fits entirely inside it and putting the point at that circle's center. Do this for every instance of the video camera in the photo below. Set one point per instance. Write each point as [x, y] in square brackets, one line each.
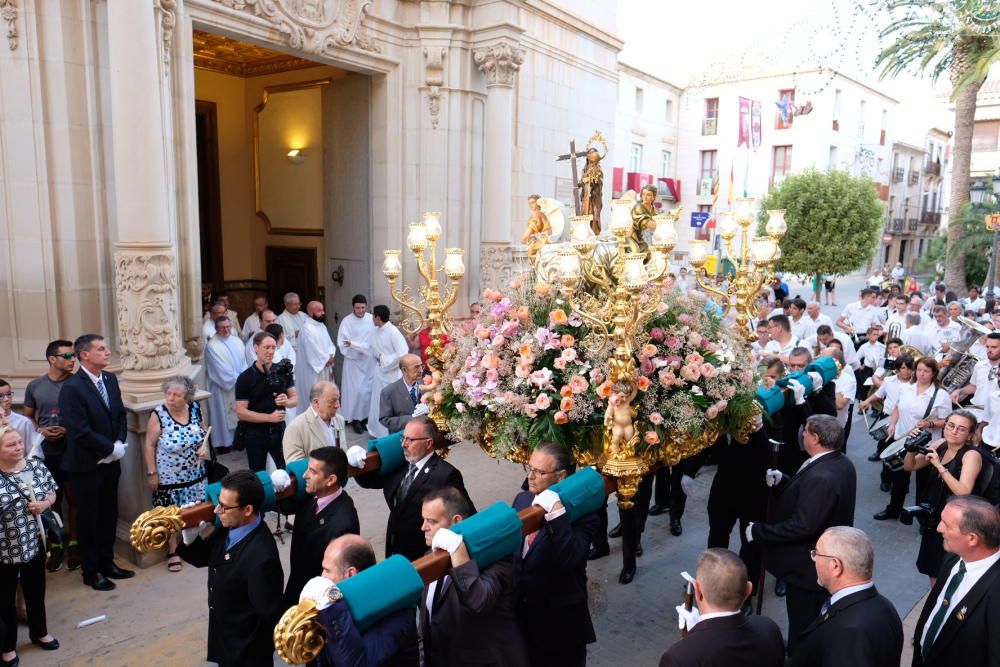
[920, 512]
[279, 376]
[918, 443]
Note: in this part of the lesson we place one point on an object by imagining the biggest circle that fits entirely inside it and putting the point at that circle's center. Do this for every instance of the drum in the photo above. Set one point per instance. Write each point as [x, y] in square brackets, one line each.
[880, 429]
[892, 456]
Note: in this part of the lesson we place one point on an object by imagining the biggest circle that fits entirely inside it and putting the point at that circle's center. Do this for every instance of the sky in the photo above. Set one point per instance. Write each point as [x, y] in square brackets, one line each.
[678, 39]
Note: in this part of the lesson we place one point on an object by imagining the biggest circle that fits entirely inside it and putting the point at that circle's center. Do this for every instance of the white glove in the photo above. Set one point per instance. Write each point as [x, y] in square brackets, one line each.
[189, 535]
[446, 539]
[421, 410]
[772, 477]
[280, 480]
[319, 589]
[749, 532]
[798, 391]
[116, 453]
[687, 484]
[356, 456]
[546, 500]
[687, 619]
[817, 381]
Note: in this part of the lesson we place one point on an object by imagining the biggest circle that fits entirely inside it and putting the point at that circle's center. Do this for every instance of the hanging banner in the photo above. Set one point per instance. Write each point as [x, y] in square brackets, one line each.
[744, 126]
[755, 123]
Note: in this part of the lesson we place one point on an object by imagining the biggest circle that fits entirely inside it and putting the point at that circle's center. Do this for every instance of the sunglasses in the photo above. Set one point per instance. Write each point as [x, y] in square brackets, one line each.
[64, 355]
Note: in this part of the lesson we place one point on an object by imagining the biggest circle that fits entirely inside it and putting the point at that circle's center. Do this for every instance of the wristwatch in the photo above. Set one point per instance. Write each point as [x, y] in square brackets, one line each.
[333, 594]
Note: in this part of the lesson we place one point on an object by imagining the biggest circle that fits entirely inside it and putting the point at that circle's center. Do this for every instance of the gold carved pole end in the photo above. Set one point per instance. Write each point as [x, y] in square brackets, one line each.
[151, 530]
[299, 636]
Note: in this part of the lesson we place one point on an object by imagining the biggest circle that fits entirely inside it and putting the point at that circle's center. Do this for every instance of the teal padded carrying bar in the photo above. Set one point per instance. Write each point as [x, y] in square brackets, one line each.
[298, 469]
[390, 451]
[581, 493]
[380, 590]
[492, 534]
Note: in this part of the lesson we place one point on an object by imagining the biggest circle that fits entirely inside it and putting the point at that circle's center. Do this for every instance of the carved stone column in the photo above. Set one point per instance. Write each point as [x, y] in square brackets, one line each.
[499, 62]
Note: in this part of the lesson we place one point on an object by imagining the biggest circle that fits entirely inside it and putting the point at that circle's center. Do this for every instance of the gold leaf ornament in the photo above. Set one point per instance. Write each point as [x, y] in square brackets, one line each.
[151, 530]
[299, 636]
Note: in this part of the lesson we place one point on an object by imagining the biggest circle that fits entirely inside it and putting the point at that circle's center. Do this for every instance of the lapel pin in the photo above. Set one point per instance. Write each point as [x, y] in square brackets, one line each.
[961, 613]
[227, 557]
[322, 521]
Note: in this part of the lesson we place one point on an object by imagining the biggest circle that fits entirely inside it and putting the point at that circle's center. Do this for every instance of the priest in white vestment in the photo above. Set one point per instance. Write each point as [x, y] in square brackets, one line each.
[224, 361]
[386, 347]
[252, 324]
[217, 310]
[316, 351]
[292, 319]
[359, 368]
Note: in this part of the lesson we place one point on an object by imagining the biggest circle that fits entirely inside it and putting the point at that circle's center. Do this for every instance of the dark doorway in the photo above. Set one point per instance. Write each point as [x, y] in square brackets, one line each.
[209, 205]
[291, 270]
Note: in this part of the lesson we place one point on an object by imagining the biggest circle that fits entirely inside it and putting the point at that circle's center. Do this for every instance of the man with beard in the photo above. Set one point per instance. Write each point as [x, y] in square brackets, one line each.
[316, 351]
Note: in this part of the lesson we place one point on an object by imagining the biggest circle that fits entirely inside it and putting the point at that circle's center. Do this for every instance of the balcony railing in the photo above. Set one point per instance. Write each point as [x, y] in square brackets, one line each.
[897, 175]
[932, 168]
[709, 126]
[897, 225]
[914, 177]
[931, 218]
[911, 225]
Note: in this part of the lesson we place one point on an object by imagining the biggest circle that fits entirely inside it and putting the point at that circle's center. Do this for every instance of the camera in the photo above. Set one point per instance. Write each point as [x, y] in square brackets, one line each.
[279, 376]
[920, 512]
[890, 364]
[918, 443]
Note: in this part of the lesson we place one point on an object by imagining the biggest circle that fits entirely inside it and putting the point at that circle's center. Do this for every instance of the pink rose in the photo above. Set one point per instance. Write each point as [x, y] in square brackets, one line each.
[543, 401]
[694, 358]
[721, 405]
[707, 370]
[673, 342]
[691, 372]
[578, 384]
[684, 318]
[656, 333]
[460, 407]
[522, 371]
[560, 364]
[667, 378]
[560, 417]
[569, 354]
[655, 418]
[530, 410]
[712, 412]
[646, 367]
[651, 438]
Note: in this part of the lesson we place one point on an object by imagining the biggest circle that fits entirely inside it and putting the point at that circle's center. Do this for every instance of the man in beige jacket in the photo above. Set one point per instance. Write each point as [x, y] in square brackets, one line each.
[317, 426]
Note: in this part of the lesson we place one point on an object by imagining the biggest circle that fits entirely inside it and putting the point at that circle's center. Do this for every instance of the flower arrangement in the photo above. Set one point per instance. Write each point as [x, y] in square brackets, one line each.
[522, 375]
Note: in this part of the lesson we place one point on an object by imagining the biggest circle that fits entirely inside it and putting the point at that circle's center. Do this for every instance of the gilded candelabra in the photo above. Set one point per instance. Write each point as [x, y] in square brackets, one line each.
[617, 301]
[754, 261]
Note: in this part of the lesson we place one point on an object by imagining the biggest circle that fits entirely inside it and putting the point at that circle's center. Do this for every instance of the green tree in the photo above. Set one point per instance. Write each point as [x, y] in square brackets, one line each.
[958, 37]
[975, 243]
[833, 218]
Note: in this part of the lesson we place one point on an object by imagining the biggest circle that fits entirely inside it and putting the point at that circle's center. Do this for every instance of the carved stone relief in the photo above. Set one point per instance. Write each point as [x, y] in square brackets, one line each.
[8, 12]
[146, 293]
[434, 79]
[499, 62]
[168, 19]
[496, 267]
[314, 26]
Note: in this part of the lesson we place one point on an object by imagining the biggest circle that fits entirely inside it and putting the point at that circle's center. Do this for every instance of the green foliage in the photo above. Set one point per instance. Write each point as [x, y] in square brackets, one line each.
[975, 242]
[834, 221]
[934, 256]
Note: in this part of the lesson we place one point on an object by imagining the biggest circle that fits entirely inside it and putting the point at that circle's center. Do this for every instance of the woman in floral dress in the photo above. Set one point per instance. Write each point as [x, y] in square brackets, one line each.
[175, 472]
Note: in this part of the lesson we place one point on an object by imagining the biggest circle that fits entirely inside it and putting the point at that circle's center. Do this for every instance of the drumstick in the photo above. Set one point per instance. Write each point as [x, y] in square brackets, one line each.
[864, 414]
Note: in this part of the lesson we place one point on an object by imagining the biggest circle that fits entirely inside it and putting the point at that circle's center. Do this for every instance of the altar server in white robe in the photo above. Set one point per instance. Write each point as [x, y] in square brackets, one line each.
[387, 346]
[359, 368]
[224, 361]
[292, 319]
[315, 352]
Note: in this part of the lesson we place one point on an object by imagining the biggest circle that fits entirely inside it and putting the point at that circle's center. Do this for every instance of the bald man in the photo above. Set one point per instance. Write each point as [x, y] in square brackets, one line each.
[390, 641]
[317, 426]
[400, 401]
[316, 350]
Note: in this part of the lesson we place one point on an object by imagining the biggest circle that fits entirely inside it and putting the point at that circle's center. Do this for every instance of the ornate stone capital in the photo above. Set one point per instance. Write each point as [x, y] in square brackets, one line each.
[8, 12]
[146, 294]
[168, 19]
[315, 26]
[499, 62]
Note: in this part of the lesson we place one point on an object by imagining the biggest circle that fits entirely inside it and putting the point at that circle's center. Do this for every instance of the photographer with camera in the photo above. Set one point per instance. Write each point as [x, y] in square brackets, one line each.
[958, 463]
[263, 391]
[922, 406]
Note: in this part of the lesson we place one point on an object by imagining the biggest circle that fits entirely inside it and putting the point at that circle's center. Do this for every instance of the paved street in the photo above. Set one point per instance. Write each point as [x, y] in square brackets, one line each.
[159, 618]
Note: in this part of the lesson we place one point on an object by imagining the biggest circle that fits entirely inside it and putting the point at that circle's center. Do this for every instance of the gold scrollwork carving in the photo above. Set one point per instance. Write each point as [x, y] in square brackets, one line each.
[151, 530]
[298, 636]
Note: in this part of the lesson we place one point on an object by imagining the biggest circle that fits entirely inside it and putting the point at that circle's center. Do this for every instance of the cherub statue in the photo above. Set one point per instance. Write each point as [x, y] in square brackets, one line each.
[591, 188]
[620, 415]
[539, 229]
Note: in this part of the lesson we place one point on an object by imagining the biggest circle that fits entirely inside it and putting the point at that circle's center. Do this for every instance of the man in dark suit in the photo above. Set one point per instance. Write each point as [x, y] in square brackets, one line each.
[856, 626]
[399, 402]
[550, 568]
[466, 618]
[244, 575]
[391, 642]
[822, 400]
[405, 488]
[821, 494]
[91, 409]
[327, 515]
[957, 625]
[718, 634]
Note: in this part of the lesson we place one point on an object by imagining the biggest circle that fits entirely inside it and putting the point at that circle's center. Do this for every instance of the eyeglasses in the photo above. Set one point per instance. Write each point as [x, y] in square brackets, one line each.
[226, 508]
[408, 439]
[7, 394]
[536, 472]
[815, 554]
[64, 355]
[951, 426]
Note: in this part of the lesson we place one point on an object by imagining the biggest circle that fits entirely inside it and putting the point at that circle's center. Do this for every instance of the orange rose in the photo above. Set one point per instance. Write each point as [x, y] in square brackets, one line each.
[648, 350]
[566, 404]
[558, 317]
[543, 289]
[560, 417]
[604, 389]
[566, 391]
[567, 340]
[524, 349]
[651, 438]
[642, 383]
[523, 313]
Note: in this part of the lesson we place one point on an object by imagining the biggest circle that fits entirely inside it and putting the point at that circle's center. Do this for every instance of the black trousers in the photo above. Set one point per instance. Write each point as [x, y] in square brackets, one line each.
[803, 606]
[729, 504]
[97, 514]
[54, 464]
[260, 442]
[566, 656]
[32, 576]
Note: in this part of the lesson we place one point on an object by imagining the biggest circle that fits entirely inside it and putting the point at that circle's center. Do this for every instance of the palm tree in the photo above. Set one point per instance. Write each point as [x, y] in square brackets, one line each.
[959, 37]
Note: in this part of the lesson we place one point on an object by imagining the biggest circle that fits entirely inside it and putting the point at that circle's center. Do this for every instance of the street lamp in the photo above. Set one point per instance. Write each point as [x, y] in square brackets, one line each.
[977, 193]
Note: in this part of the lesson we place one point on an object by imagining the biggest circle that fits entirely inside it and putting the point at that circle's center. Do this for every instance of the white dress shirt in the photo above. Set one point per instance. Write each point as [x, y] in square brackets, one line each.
[973, 573]
[850, 590]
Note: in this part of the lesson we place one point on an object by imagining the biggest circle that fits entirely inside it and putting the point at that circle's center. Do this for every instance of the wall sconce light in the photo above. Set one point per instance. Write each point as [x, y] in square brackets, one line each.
[296, 156]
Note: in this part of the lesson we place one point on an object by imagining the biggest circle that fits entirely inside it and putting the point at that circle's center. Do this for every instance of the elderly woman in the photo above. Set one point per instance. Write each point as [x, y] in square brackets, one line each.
[26, 490]
[175, 471]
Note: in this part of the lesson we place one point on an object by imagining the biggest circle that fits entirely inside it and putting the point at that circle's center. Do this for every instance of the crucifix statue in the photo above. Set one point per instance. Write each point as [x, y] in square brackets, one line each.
[588, 189]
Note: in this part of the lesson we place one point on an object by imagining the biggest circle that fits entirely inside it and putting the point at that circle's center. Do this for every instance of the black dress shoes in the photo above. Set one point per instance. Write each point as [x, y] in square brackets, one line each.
[358, 426]
[675, 527]
[616, 531]
[638, 549]
[875, 457]
[598, 552]
[99, 582]
[13, 662]
[51, 645]
[115, 572]
[780, 588]
[627, 575]
[657, 510]
[886, 514]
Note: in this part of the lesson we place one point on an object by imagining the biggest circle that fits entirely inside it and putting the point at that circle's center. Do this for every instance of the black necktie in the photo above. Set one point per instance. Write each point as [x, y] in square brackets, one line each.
[413, 394]
[404, 486]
